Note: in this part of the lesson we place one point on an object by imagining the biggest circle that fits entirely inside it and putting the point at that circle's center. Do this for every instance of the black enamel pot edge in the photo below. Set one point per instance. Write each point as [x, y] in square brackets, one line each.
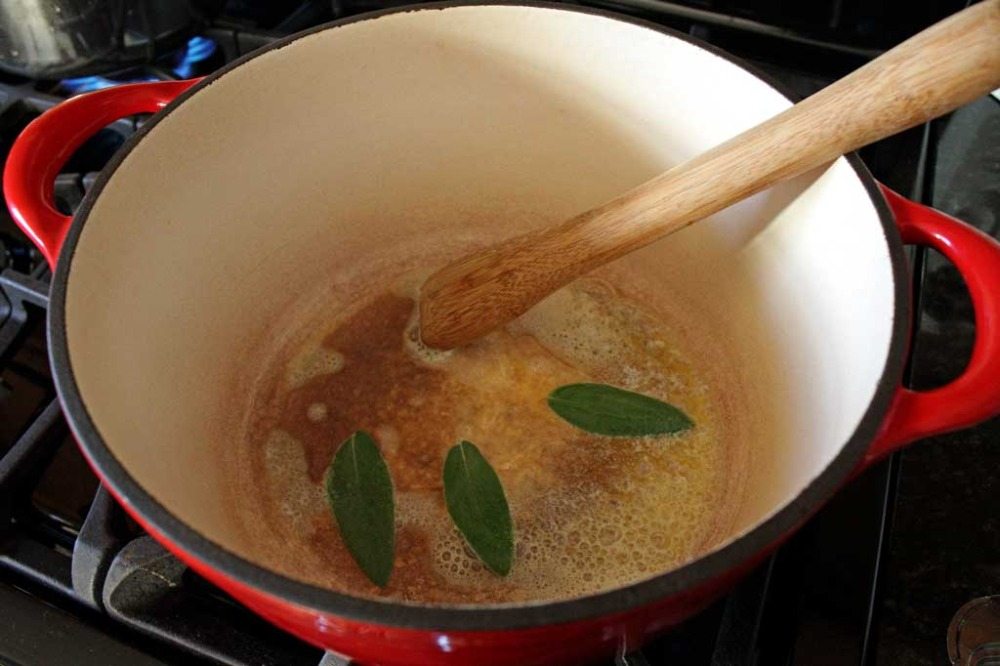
[688, 577]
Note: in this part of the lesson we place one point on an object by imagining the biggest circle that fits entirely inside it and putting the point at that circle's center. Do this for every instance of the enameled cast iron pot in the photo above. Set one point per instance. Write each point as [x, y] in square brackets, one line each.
[254, 183]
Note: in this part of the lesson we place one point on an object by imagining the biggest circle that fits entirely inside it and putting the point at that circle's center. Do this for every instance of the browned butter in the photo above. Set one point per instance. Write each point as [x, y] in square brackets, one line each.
[590, 513]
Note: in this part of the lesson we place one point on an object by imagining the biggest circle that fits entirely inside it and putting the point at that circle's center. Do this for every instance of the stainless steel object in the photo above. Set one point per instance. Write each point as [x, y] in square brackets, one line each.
[974, 633]
[53, 39]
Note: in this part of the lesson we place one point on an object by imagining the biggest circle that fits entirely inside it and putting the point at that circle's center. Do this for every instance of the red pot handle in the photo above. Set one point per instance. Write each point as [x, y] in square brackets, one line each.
[975, 395]
[47, 143]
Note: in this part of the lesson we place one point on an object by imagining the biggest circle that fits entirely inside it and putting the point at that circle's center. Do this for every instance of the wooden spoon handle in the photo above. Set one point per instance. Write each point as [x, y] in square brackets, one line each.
[939, 69]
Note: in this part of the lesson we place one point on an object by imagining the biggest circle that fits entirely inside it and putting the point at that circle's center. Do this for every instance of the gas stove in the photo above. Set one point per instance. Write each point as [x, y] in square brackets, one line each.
[895, 570]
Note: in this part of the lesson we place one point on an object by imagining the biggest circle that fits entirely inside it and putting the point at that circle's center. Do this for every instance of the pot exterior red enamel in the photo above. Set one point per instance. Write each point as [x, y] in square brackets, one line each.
[547, 645]
[569, 632]
[973, 396]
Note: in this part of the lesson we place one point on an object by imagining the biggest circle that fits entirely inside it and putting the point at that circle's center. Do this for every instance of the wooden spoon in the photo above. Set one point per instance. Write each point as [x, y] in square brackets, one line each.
[939, 69]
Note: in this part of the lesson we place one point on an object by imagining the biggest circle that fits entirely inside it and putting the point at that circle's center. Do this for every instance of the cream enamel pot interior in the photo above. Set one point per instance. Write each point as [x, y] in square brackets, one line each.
[258, 182]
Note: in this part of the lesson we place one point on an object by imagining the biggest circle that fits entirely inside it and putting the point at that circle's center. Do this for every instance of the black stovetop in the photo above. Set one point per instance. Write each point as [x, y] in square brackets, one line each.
[874, 578]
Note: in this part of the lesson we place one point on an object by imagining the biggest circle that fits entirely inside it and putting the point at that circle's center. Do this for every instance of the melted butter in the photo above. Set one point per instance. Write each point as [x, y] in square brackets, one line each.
[590, 513]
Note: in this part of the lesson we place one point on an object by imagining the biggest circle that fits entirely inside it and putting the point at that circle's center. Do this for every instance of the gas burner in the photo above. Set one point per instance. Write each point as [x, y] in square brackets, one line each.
[186, 62]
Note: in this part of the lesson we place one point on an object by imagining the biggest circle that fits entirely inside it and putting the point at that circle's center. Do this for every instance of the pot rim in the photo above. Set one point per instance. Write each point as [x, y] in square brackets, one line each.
[471, 618]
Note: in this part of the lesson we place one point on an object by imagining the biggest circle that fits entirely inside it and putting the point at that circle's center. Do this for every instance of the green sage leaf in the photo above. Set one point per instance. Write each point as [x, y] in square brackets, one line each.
[359, 490]
[606, 410]
[478, 506]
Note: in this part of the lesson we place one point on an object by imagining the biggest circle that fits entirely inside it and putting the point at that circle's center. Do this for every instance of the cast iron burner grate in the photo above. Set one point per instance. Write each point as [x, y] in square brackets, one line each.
[83, 584]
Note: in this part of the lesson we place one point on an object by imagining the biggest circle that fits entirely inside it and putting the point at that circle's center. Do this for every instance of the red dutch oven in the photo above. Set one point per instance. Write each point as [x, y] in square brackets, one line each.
[475, 121]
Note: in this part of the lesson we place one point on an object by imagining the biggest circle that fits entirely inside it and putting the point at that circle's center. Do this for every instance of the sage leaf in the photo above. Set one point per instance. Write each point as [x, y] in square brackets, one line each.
[607, 410]
[478, 506]
[359, 490]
